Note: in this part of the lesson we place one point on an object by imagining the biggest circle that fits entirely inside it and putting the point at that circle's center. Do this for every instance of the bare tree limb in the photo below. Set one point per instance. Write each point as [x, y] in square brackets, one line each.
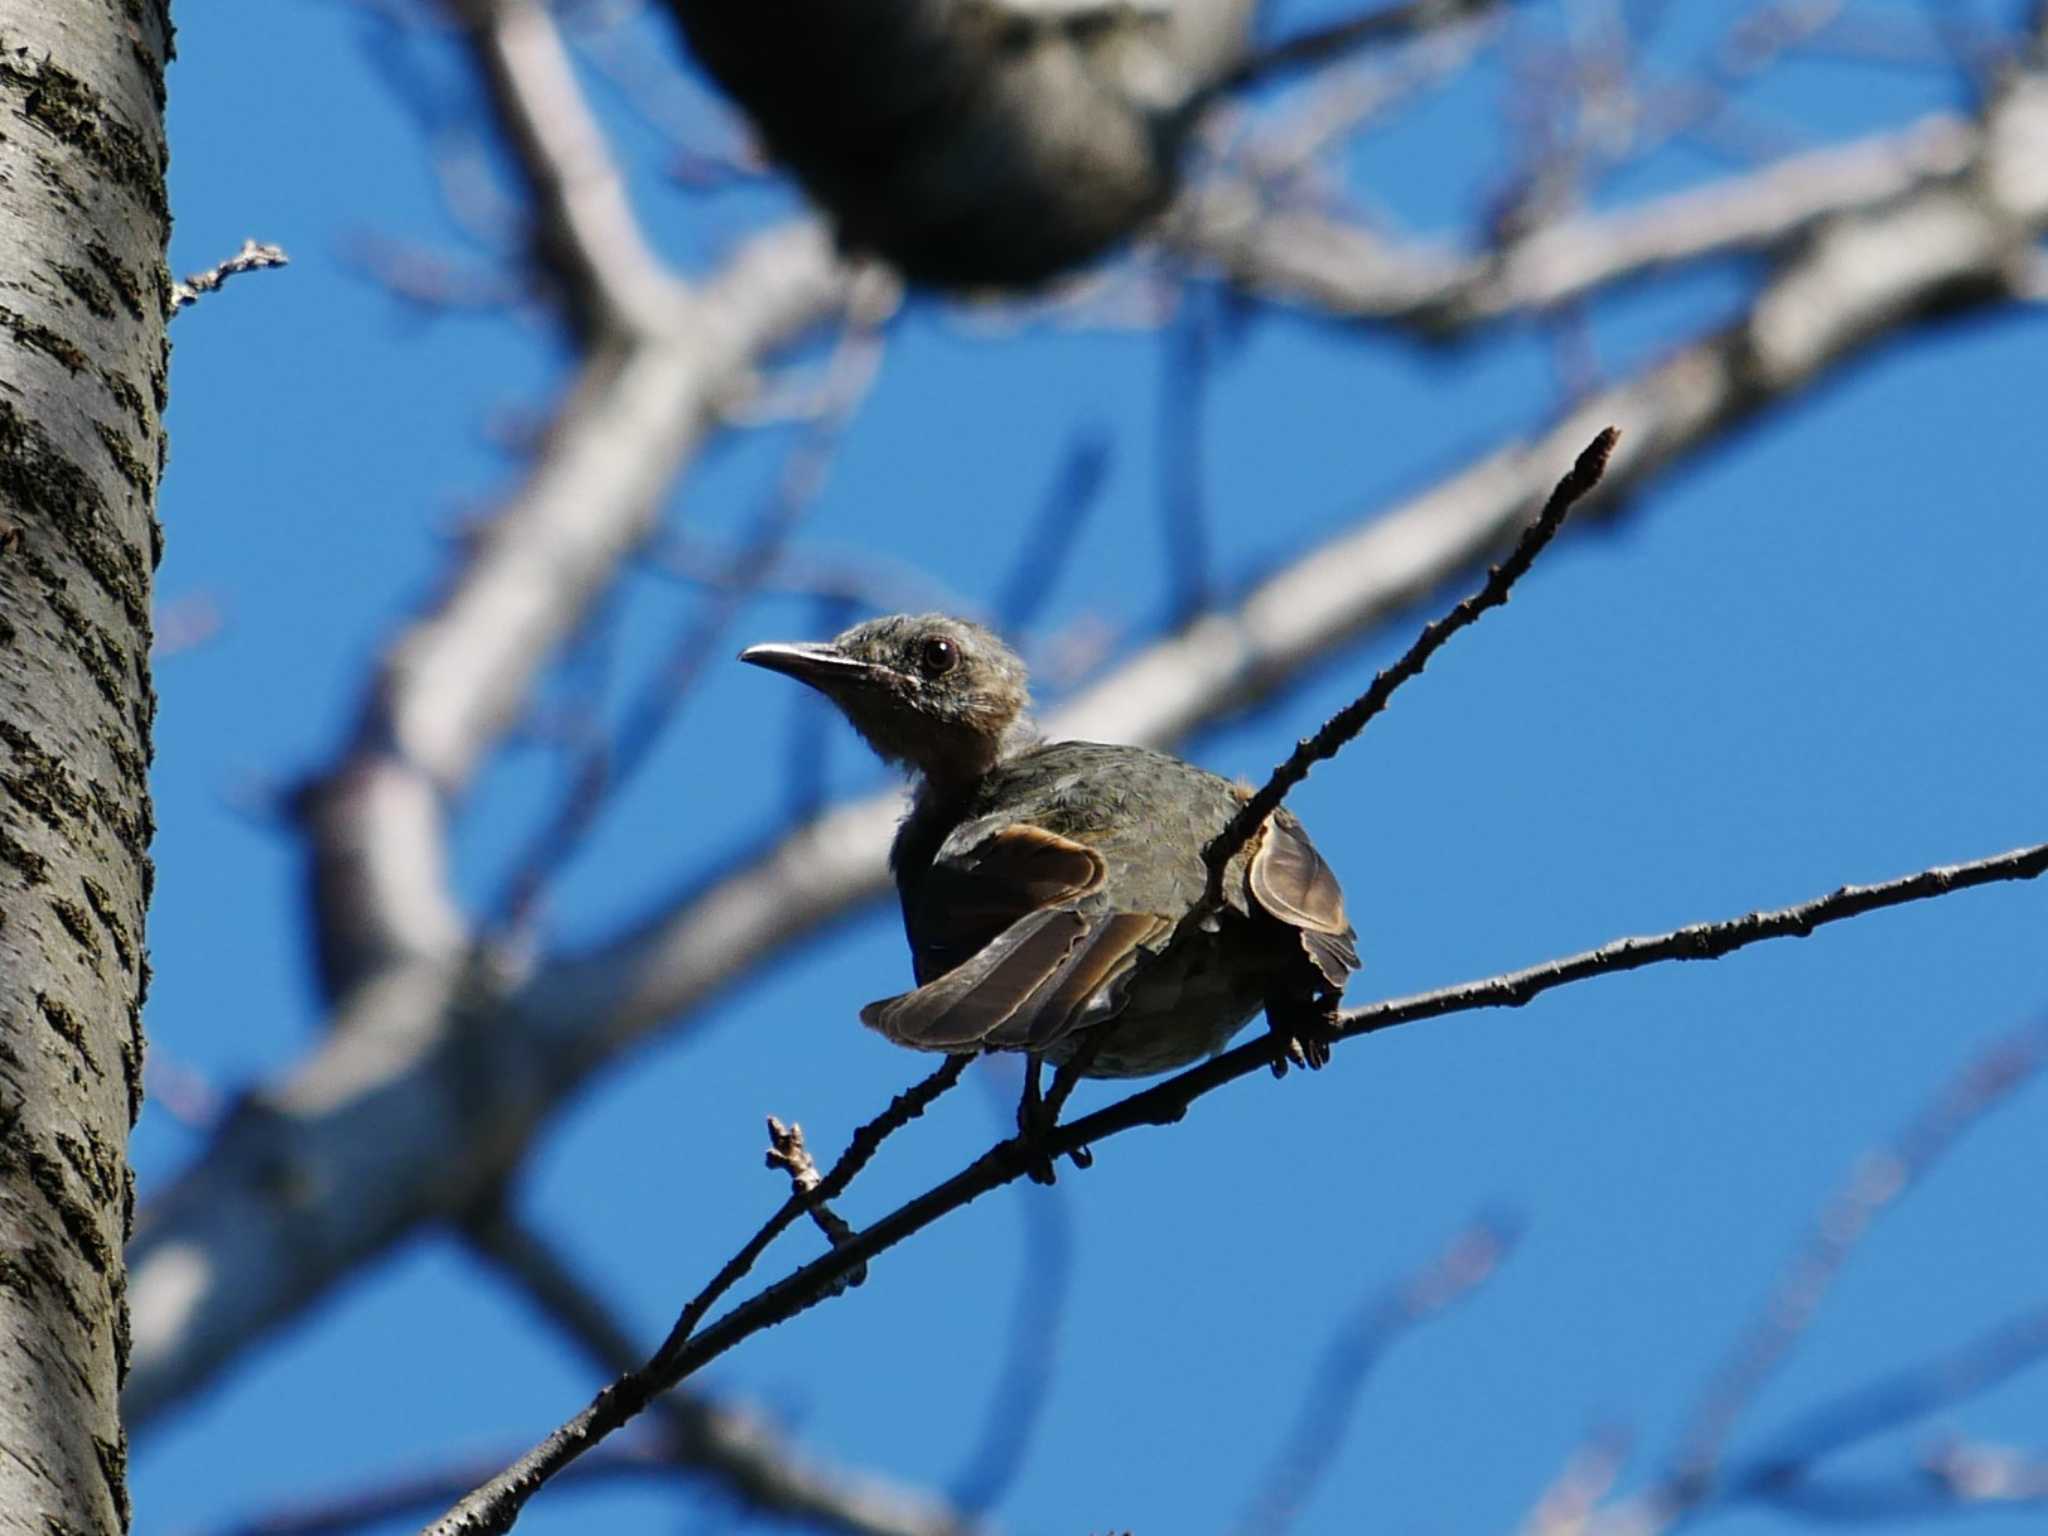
[1321, 45]
[699, 1437]
[254, 256]
[1017, 1404]
[495, 1505]
[660, 364]
[584, 230]
[1879, 1182]
[1988, 1361]
[1316, 1437]
[223, 1255]
[868, 1507]
[788, 1151]
[1342, 728]
[604, 771]
[391, 939]
[1349, 272]
[1785, 1472]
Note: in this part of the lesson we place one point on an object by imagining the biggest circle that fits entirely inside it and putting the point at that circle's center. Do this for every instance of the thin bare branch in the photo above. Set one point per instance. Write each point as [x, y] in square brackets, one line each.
[1017, 1404]
[1349, 272]
[1322, 45]
[656, 1454]
[788, 1151]
[584, 230]
[1341, 728]
[1882, 1179]
[1186, 354]
[223, 1255]
[1787, 1476]
[605, 770]
[1988, 1474]
[1054, 533]
[2018, 1344]
[699, 1438]
[254, 256]
[1786, 1471]
[494, 1506]
[1316, 1437]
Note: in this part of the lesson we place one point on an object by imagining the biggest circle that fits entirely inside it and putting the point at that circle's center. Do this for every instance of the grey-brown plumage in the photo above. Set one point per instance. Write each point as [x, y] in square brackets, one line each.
[1041, 883]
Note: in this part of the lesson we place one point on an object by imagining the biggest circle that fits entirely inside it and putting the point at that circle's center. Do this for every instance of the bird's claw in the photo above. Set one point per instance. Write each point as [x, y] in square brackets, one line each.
[1037, 1119]
[1306, 1038]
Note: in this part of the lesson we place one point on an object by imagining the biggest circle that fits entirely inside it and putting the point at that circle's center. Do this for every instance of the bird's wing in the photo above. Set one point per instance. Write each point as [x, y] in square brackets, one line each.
[1033, 984]
[987, 880]
[1006, 957]
[1289, 879]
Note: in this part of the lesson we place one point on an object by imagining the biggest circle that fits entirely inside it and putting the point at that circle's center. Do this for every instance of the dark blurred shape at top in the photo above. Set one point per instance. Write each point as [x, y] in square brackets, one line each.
[973, 143]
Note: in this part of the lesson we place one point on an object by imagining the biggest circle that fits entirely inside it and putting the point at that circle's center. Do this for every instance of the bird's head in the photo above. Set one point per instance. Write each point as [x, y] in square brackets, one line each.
[942, 695]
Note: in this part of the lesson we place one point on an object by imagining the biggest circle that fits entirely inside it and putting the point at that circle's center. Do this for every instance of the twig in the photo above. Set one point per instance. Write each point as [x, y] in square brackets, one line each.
[786, 1150]
[664, 1456]
[1054, 534]
[433, 1487]
[903, 1109]
[1017, 1405]
[858, 577]
[495, 1505]
[719, 1445]
[1941, 245]
[1988, 1474]
[1187, 364]
[584, 232]
[254, 256]
[1319, 45]
[1985, 1362]
[603, 772]
[1343, 726]
[532, 1263]
[1782, 1477]
[1566, 1505]
[1879, 1182]
[1317, 1435]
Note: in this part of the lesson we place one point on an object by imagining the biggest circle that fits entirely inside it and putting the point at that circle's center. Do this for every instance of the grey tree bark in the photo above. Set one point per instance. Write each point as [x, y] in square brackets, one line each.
[84, 298]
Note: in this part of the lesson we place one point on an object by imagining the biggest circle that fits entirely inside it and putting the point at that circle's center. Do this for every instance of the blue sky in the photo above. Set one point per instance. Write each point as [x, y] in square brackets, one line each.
[1812, 657]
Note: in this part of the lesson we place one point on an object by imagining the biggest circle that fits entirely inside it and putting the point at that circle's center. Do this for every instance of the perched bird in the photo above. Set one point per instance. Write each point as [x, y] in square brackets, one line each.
[1043, 884]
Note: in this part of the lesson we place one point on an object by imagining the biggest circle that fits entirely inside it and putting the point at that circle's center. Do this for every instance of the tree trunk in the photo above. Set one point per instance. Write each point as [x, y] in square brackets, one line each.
[83, 303]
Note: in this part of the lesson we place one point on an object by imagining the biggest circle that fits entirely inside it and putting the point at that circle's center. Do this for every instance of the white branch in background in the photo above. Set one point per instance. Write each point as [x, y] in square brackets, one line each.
[1347, 271]
[425, 1094]
[406, 1116]
[661, 362]
[585, 231]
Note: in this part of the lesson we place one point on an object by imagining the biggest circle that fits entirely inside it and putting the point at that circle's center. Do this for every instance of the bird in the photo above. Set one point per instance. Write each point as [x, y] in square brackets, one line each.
[1044, 884]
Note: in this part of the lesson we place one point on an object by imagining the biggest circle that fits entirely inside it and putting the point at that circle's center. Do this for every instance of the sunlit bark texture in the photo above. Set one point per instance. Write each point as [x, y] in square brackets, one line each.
[83, 303]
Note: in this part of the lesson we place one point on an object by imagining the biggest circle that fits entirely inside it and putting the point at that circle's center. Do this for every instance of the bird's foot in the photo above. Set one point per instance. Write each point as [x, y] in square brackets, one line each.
[1038, 1116]
[1036, 1122]
[1305, 1033]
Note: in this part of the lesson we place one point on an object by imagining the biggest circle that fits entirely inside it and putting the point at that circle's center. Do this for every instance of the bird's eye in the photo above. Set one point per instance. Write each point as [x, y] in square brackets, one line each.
[936, 656]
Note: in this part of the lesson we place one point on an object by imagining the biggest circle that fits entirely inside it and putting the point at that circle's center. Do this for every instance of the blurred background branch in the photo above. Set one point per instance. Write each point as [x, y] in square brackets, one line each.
[1214, 174]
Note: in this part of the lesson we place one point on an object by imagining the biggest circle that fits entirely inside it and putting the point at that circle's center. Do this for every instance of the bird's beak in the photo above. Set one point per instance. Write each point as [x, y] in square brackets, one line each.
[824, 667]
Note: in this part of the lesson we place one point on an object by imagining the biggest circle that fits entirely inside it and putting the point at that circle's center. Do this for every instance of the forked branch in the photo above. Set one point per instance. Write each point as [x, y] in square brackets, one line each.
[495, 1505]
